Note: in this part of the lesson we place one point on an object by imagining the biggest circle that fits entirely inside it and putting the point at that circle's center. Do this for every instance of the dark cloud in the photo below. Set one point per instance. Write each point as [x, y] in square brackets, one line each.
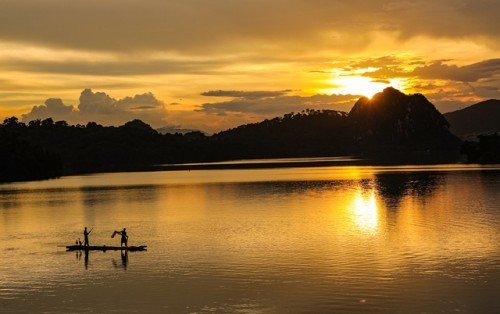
[456, 19]
[204, 26]
[102, 108]
[275, 106]
[438, 69]
[387, 82]
[488, 90]
[384, 61]
[129, 65]
[468, 73]
[387, 72]
[245, 94]
[142, 108]
[146, 101]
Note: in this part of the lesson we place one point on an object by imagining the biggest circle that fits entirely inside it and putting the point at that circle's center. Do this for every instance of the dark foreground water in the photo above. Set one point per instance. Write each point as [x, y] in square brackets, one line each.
[297, 240]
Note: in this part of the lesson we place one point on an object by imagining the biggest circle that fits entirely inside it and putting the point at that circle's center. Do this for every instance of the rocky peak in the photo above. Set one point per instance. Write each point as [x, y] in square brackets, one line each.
[393, 114]
[394, 121]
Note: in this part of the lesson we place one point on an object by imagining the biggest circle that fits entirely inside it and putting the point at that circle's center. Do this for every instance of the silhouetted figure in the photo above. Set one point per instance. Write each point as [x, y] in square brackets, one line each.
[86, 237]
[124, 239]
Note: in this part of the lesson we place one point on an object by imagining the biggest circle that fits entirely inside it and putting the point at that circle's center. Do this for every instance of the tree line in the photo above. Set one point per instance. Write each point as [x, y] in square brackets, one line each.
[48, 148]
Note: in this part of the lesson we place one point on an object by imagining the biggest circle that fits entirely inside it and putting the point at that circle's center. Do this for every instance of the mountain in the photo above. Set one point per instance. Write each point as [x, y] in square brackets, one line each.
[395, 125]
[482, 117]
[390, 127]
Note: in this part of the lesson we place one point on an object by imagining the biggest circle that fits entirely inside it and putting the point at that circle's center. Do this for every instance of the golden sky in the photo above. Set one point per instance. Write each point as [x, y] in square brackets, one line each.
[215, 64]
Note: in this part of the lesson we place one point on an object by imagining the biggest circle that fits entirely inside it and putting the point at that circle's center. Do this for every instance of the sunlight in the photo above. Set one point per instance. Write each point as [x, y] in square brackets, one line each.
[365, 212]
[360, 85]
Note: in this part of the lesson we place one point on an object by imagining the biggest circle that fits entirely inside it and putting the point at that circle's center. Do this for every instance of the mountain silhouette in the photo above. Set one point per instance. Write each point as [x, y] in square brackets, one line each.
[480, 118]
[390, 127]
[395, 125]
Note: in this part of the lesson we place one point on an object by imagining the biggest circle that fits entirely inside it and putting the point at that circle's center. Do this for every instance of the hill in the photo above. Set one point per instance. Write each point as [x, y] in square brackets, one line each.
[87, 149]
[396, 126]
[305, 134]
[391, 127]
[23, 161]
[480, 118]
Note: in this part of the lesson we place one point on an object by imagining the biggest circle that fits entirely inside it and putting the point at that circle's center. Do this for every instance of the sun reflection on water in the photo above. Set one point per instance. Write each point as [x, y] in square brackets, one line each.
[365, 213]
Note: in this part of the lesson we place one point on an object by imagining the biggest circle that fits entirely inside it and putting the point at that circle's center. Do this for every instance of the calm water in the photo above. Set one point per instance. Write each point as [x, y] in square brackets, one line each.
[297, 240]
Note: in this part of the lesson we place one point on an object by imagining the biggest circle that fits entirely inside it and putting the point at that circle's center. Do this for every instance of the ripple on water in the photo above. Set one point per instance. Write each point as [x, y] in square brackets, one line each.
[357, 242]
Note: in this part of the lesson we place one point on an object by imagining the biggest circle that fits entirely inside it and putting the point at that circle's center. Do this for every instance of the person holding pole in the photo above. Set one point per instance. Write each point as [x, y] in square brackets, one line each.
[86, 236]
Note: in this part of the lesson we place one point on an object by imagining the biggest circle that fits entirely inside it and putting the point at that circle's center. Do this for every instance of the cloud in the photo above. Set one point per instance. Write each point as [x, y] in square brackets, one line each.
[468, 73]
[53, 108]
[279, 105]
[451, 19]
[102, 108]
[245, 94]
[436, 69]
[384, 61]
[143, 101]
[119, 66]
[478, 80]
[192, 26]
[217, 116]
[96, 103]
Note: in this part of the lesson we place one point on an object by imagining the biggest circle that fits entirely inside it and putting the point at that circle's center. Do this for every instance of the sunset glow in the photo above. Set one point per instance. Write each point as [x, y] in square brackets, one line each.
[359, 85]
[163, 63]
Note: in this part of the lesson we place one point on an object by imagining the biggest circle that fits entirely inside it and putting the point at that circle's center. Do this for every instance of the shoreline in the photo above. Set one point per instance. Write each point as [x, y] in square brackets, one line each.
[338, 161]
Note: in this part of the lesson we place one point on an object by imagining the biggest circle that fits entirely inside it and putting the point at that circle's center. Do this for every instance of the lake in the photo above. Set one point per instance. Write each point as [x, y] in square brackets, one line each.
[341, 239]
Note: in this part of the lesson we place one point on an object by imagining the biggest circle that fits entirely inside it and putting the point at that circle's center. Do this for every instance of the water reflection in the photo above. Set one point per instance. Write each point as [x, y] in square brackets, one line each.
[86, 254]
[306, 240]
[393, 187]
[124, 261]
[121, 264]
[365, 211]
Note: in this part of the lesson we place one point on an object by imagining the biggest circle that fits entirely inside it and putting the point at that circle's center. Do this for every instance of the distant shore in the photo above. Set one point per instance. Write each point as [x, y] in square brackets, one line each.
[263, 164]
[298, 163]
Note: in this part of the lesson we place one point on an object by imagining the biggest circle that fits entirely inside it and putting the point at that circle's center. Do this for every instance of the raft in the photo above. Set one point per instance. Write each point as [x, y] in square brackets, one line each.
[106, 248]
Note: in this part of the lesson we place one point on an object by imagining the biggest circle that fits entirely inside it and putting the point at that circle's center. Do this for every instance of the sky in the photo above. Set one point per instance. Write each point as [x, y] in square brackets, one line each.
[215, 64]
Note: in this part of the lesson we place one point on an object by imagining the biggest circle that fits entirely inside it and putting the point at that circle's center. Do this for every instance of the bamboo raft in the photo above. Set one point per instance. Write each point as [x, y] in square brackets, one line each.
[105, 248]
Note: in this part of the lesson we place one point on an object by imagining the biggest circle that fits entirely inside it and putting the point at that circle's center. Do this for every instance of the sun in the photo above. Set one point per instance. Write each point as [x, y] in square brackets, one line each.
[359, 85]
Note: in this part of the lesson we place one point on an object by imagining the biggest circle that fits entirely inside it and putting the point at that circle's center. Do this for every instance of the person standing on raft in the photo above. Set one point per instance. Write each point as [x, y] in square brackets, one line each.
[124, 239]
[86, 237]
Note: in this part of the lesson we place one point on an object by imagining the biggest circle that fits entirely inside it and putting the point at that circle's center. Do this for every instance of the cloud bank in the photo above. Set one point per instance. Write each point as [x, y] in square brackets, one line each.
[101, 108]
[197, 26]
[272, 103]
